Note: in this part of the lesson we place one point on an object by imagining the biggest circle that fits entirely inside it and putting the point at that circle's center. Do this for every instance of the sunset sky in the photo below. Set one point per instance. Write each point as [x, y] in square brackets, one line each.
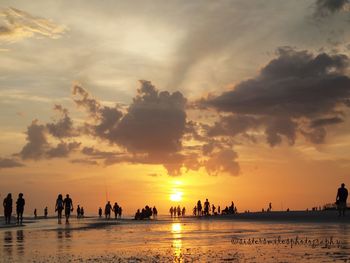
[138, 101]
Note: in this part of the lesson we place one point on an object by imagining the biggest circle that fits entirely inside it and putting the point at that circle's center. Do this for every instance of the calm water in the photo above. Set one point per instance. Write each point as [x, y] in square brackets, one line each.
[166, 240]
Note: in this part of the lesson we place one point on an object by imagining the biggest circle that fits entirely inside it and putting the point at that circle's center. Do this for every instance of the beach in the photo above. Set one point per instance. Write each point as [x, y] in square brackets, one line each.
[250, 237]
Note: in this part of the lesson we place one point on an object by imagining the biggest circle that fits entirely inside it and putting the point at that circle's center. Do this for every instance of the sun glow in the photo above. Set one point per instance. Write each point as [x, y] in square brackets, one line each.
[176, 196]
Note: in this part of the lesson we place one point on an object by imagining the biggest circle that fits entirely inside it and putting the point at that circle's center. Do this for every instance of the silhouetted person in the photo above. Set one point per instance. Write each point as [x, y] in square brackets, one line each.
[232, 208]
[116, 210]
[206, 207]
[171, 211]
[8, 208]
[20, 208]
[270, 207]
[68, 207]
[219, 210]
[82, 212]
[45, 212]
[195, 210]
[178, 211]
[78, 211]
[59, 207]
[137, 214]
[155, 212]
[175, 211]
[342, 196]
[108, 210]
[100, 212]
[199, 207]
[183, 212]
[35, 214]
[213, 208]
[120, 211]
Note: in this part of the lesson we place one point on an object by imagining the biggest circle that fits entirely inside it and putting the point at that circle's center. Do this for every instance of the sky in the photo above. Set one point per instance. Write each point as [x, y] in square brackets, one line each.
[169, 102]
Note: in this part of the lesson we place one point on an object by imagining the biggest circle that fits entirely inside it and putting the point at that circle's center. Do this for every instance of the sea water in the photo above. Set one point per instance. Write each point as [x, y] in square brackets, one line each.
[174, 240]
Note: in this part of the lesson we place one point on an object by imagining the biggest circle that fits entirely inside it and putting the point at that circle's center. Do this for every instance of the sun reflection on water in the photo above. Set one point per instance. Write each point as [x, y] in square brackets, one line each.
[176, 229]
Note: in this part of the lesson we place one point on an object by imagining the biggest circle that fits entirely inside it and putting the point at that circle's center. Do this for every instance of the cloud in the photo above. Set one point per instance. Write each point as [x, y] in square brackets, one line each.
[291, 94]
[84, 161]
[327, 7]
[151, 128]
[62, 149]
[223, 161]
[9, 163]
[38, 147]
[37, 143]
[16, 25]
[64, 126]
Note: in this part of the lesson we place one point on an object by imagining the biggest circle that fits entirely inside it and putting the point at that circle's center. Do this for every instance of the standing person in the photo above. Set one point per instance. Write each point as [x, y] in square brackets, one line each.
[219, 210]
[155, 212]
[195, 211]
[35, 214]
[68, 207]
[171, 210]
[108, 209]
[59, 207]
[45, 212]
[100, 212]
[116, 210]
[20, 208]
[82, 212]
[120, 211]
[199, 207]
[78, 211]
[178, 211]
[206, 207]
[8, 208]
[342, 196]
[270, 207]
[213, 209]
[183, 211]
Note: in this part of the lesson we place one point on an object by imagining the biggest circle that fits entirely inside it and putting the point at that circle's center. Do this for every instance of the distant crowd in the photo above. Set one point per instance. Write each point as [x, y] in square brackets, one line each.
[147, 212]
[207, 209]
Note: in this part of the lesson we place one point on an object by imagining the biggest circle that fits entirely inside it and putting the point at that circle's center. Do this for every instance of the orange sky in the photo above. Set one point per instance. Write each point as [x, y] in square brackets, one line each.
[238, 101]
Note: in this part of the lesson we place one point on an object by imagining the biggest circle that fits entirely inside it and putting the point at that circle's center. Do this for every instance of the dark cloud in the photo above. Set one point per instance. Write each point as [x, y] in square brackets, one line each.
[154, 122]
[62, 149]
[38, 147]
[84, 161]
[63, 127]
[326, 121]
[327, 7]
[223, 161]
[9, 163]
[37, 143]
[295, 87]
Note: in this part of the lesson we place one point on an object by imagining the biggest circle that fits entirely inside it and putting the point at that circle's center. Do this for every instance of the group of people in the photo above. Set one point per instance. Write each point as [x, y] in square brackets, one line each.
[80, 212]
[177, 211]
[20, 203]
[63, 204]
[146, 213]
[206, 209]
[117, 209]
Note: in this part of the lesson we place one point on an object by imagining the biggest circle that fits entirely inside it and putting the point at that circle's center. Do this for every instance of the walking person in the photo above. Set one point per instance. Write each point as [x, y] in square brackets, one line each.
[59, 207]
[68, 207]
[342, 196]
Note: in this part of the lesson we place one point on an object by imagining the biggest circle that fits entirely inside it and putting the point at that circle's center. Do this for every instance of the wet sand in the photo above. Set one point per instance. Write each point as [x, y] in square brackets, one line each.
[211, 239]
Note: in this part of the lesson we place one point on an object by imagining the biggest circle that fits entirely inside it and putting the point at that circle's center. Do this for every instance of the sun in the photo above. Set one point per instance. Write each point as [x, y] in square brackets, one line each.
[176, 196]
